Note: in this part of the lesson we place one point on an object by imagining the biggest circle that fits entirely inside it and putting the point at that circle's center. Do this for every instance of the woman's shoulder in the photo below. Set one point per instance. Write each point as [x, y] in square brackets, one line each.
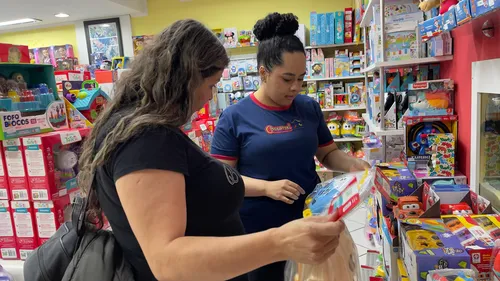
[306, 102]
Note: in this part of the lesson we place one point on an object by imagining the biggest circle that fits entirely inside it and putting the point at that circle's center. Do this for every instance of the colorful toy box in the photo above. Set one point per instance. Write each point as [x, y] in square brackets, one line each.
[8, 245]
[70, 75]
[24, 224]
[16, 171]
[339, 27]
[426, 244]
[463, 12]
[422, 176]
[313, 28]
[14, 53]
[35, 111]
[441, 45]
[449, 19]
[330, 28]
[50, 215]
[322, 29]
[62, 51]
[4, 180]
[317, 70]
[393, 182]
[473, 237]
[431, 98]
[52, 161]
[480, 7]
[431, 28]
[91, 101]
[348, 25]
[342, 63]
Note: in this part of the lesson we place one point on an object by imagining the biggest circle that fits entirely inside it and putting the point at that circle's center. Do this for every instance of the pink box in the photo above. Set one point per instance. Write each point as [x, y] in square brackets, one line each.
[8, 245]
[16, 169]
[4, 181]
[50, 215]
[62, 51]
[24, 224]
[51, 161]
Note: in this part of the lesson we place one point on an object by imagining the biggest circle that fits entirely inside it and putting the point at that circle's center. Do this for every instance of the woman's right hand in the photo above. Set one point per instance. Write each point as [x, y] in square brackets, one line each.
[283, 190]
[310, 240]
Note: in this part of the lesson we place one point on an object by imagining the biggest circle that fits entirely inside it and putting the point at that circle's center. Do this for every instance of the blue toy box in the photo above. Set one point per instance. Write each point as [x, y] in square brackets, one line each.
[462, 12]
[480, 7]
[330, 25]
[339, 27]
[431, 27]
[431, 98]
[426, 244]
[320, 29]
[449, 19]
[313, 29]
[393, 181]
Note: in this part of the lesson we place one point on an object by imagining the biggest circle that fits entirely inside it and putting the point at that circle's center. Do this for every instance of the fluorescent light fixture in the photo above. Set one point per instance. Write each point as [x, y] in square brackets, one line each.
[61, 15]
[105, 25]
[19, 21]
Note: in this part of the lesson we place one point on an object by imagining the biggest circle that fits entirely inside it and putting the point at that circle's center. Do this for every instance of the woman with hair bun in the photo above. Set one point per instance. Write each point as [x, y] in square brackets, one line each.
[272, 136]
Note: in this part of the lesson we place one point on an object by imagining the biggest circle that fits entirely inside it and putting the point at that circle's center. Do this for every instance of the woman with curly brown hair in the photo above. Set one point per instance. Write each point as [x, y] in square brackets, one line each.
[174, 209]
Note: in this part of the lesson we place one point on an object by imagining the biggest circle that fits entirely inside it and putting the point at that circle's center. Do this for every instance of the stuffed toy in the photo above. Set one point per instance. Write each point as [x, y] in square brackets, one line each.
[427, 5]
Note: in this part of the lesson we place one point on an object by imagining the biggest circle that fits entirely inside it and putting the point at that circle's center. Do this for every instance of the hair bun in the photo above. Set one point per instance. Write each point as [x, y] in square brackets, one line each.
[274, 25]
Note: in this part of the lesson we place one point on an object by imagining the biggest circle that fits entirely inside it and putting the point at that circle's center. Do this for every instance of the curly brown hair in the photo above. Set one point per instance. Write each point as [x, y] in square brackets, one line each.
[159, 91]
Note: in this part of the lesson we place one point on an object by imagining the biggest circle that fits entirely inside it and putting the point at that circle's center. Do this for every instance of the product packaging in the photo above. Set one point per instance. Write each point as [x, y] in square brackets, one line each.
[24, 224]
[495, 262]
[8, 245]
[14, 53]
[16, 169]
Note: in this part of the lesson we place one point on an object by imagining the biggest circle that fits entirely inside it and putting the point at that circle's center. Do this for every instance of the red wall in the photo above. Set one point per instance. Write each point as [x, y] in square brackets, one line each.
[470, 45]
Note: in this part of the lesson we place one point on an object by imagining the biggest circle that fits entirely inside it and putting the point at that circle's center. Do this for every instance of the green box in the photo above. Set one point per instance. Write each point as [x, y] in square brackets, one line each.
[15, 124]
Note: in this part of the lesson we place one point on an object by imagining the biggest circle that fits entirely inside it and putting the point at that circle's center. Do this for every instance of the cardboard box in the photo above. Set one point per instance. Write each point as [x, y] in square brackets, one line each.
[4, 180]
[330, 21]
[24, 224]
[50, 215]
[339, 27]
[14, 53]
[431, 98]
[427, 244]
[394, 182]
[431, 28]
[51, 161]
[322, 29]
[313, 26]
[476, 240]
[422, 176]
[348, 25]
[480, 7]
[8, 245]
[462, 12]
[450, 195]
[16, 169]
[449, 19]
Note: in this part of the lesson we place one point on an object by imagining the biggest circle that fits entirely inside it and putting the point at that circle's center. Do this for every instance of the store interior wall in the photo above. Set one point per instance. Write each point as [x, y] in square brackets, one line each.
[43, 37]
[470, 45]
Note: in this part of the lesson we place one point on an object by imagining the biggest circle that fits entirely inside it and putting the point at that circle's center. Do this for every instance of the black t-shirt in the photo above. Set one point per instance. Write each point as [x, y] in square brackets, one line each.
[214, 191]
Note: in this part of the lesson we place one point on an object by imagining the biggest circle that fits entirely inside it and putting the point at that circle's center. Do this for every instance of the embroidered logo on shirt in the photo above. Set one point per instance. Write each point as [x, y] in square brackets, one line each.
[231, 175]
[287, 128]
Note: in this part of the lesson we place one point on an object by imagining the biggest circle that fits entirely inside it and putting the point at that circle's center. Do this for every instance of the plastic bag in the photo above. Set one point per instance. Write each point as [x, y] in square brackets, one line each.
[451, 274]
[344, 194]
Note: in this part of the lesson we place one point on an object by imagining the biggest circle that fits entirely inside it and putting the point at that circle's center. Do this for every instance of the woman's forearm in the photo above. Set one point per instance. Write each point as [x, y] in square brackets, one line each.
[254, 187]
[218, 258]
[337, 160]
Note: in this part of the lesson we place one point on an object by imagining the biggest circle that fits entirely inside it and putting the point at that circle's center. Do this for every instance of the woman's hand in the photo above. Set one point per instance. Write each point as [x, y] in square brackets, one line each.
[359, 165]
[311, 240]
[283, 190]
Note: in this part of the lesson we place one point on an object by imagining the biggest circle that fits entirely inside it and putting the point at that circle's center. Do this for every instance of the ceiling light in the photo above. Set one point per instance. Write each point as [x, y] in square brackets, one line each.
[62, 15]
[105, 25]
[20, 21]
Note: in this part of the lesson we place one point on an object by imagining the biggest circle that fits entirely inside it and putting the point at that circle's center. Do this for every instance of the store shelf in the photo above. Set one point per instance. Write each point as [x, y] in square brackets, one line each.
[403, 63]
[333, 46]
[343, 108]
[347, 139]
[368, 15]
[378, 131]
[335, 78]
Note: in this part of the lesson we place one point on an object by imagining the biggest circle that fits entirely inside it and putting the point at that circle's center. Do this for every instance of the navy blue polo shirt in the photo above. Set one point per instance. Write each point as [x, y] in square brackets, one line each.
[272, 143]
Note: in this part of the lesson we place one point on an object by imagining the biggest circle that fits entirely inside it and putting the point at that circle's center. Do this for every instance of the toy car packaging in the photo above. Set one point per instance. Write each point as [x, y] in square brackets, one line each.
[451, 274]
[343, 194]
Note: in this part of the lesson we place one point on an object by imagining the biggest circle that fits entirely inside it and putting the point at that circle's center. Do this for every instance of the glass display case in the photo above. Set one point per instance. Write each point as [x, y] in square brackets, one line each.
[489, 148]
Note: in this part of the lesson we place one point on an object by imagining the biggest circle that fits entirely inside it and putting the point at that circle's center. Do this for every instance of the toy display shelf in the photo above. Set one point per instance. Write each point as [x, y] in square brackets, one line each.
[14, 267]
[404, 63]
[335, 78]
[378, 131]
[334, 46]
[343, 108]
[368, 15]
[32, 73]
[347, 139]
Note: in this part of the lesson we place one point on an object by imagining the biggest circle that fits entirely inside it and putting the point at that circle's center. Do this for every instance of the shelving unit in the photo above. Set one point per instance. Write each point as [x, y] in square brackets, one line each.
[404, 63]
[335, 78]
[348, 140]
[378, 131]
[333, 46]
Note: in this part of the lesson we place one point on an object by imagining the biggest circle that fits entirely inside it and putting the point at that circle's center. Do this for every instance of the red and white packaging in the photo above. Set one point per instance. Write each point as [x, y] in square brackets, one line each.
[24, 225]
[8, 245]
[16, 169]
[4, 181]
[39, 152]
[348, 25]
[50, 215]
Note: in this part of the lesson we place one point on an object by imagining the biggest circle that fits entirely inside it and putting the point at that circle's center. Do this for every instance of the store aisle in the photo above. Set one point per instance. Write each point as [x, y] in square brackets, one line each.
[355, 222]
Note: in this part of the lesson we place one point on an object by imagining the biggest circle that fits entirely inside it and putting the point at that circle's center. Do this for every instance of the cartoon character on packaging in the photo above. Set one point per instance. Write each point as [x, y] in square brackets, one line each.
[229, 36]
[348, 129]
[14, 55]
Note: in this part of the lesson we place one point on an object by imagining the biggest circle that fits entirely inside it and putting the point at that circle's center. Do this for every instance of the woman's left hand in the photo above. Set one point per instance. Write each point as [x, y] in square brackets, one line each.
[359, 165]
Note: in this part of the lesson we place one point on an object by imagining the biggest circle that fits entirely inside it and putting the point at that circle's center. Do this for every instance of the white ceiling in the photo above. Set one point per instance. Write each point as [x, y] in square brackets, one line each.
[77, 9]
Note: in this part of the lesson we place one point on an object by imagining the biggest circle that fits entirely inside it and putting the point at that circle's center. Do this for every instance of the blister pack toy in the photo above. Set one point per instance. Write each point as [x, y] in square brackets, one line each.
[451, 275]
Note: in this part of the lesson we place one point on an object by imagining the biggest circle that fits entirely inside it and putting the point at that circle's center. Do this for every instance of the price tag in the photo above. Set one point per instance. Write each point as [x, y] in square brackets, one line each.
[70, 137]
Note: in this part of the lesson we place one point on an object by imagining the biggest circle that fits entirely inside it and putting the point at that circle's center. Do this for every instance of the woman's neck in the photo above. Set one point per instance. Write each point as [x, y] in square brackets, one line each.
[261, 96]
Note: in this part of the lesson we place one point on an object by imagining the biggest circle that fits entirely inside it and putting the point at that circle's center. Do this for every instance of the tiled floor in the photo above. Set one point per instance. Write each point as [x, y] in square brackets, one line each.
[355, 222]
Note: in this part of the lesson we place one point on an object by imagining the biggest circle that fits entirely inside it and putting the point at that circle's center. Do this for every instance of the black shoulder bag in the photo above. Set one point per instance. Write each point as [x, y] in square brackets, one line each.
[75, 253]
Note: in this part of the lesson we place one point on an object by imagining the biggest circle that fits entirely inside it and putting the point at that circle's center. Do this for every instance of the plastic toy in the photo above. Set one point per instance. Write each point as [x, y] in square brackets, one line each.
[120, 62]
[90, 102]
[431, 98]
[341, 100]
[423, 239]
[408, 207]
[334, 124]
[444, 5]
[461, 208]
[451, 275]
